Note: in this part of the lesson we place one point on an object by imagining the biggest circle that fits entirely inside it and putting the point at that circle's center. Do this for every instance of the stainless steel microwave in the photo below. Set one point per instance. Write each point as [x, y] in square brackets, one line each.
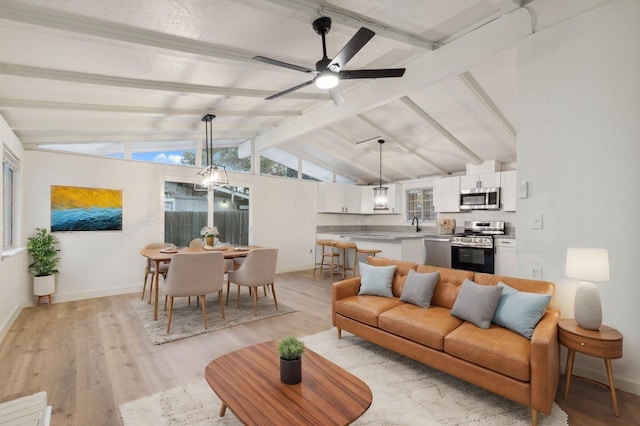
[480, 199]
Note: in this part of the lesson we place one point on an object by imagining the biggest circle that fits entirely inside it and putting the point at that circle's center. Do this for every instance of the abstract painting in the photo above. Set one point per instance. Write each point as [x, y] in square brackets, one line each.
[76, 208]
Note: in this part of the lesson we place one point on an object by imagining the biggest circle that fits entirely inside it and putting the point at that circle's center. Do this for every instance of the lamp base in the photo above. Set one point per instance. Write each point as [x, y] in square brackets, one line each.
[587, 308]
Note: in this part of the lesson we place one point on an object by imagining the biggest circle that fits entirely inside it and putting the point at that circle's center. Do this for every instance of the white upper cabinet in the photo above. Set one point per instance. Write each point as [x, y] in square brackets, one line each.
[484, 180]
[446, 194]
[338, 198]
[508, 184]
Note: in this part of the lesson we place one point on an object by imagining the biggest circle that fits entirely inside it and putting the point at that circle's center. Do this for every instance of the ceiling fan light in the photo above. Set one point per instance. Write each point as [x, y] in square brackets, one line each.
[326, 80]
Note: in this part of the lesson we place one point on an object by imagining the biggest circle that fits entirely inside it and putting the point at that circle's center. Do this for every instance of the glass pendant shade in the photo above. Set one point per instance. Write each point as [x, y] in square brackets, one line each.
[213, 176]
[380, 199]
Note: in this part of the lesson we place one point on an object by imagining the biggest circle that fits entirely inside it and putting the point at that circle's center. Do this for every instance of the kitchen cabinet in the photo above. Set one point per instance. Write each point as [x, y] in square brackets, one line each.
[486, 180]
[338, 198]
[394, 194]
[446, 194]
[508, 184]
[505, 259]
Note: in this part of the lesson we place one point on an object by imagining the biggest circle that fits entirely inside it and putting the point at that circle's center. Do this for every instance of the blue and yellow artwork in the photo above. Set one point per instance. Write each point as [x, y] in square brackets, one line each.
[75, 208]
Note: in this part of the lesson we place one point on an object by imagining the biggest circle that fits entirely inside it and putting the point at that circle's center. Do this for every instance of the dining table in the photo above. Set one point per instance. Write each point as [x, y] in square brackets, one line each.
[163, 255]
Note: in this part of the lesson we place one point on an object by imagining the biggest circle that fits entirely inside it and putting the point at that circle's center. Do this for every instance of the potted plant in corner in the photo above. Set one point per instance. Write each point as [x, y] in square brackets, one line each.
[290, 350]
[43, 250]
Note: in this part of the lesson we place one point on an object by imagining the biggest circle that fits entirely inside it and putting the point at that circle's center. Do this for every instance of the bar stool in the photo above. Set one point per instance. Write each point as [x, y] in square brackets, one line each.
[344, 248]
[326, 252]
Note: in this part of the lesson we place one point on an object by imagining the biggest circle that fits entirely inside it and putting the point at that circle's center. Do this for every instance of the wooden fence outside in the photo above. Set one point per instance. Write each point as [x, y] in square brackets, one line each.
[182, 227]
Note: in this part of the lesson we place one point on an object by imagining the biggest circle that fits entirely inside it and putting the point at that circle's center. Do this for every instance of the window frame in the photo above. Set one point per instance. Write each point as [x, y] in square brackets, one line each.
[427, 194]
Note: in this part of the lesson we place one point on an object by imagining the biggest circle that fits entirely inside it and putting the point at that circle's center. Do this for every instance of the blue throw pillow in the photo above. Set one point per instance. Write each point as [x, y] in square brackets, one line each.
[376, 280]
[520, 311]
[418, 289]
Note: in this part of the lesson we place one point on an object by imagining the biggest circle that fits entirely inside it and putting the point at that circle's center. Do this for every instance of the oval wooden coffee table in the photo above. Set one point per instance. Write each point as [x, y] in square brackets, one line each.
[248, 382]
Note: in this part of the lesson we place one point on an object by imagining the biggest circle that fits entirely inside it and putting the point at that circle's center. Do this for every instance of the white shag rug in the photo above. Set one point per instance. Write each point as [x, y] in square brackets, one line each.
[186, 321]
[405, 392]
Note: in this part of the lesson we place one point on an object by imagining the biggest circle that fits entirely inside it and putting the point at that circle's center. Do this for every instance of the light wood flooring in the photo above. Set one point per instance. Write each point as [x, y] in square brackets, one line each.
[92, 355]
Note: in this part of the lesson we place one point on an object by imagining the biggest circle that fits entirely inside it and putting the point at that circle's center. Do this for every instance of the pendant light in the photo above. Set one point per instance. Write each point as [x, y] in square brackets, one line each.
[213, 176]
[380, 198]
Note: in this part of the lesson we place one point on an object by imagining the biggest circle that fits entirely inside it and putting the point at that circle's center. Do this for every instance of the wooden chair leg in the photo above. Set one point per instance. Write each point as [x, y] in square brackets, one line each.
[165, 302]
[170, 313]
[221, 304]
[238, 304]
[264, 287]
[255, 302]
[204, 311]
[228, 286]
[273, 291]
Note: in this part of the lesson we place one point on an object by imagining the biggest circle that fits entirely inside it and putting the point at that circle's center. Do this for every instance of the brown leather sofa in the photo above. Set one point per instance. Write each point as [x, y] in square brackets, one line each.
[499, 360]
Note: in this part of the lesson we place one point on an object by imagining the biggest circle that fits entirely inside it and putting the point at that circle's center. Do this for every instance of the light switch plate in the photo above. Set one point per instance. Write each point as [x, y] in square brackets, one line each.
[523, 189]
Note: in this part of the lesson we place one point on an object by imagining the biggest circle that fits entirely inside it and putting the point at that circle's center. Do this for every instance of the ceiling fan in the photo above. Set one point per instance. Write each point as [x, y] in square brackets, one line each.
[329, 71]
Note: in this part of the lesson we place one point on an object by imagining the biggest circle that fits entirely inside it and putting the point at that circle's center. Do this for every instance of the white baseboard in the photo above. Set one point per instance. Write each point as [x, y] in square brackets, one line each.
[11, 319]
[93, 294]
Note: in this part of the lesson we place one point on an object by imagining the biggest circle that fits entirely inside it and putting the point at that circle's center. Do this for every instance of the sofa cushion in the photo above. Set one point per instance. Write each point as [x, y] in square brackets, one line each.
[495, 348]
[425, 326]
[476, 303]
[520, 311]
[402, 270]
[418, 288]
[365, 309]
[376, 280]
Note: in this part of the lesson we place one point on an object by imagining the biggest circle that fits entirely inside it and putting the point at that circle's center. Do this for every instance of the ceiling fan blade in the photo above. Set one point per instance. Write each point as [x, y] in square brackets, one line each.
[336, 95]
[299, 86]
[380, 73]
[354, 45]
[283, 64]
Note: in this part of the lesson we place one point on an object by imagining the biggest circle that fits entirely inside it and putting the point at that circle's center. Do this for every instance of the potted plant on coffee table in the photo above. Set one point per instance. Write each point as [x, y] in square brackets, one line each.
[43, 250]
[290, 350]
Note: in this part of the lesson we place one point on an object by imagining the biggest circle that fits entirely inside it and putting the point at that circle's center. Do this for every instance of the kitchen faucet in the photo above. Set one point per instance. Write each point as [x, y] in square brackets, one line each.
[415, 219]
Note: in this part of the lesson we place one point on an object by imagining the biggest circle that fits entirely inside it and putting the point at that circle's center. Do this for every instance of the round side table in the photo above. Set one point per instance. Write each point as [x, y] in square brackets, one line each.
[605, 343]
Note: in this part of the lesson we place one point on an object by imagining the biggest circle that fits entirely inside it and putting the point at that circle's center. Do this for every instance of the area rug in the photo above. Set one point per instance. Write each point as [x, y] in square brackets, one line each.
[186, 320]
[405, 392]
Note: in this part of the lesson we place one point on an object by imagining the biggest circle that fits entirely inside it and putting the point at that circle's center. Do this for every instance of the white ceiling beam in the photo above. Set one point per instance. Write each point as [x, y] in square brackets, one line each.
[353, 20]
[452, 59]
[477, 90]
[136, 83]
[71, 106]
[404, 146]
[29, 137]
[70, 22]
[440, 129]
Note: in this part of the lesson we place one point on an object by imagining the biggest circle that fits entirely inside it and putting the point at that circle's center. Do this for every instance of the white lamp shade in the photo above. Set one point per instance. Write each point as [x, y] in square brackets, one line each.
[589, 264]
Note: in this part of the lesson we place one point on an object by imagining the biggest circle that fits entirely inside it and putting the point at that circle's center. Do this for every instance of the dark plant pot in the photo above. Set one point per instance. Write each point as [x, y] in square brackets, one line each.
[291, 371]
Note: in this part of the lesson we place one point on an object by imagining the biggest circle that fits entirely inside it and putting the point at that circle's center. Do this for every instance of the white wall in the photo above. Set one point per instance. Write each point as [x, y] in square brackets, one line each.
[97, 264]
[579, 146]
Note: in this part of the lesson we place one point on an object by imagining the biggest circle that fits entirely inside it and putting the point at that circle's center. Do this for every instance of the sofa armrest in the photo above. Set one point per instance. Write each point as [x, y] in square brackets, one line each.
[545, 362]
[341, 290]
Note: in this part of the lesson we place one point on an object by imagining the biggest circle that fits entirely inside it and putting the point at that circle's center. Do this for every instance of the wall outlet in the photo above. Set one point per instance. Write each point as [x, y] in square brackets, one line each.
[535, 272]
[149, 221]
[536, 221]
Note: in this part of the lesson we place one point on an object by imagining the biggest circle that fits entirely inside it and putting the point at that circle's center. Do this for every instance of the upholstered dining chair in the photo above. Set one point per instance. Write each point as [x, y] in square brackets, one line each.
[150, 269]
[257, 270]
[195, 274]
[196, 242]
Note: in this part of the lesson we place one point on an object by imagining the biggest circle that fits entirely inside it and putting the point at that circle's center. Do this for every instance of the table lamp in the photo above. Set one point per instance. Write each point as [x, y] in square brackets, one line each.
[588, 264]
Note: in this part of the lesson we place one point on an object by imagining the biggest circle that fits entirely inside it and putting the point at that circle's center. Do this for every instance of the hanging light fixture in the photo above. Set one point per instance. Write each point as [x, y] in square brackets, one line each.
[213, 176]
[380, 198]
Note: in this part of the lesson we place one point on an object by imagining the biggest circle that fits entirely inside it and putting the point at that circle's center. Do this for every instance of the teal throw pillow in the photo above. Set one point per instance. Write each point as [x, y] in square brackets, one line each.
[476, 303]
[418, 289]
[520, 311]
[376, 280]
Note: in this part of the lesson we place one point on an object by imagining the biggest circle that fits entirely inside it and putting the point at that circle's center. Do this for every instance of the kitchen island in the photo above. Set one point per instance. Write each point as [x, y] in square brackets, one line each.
[394, 245]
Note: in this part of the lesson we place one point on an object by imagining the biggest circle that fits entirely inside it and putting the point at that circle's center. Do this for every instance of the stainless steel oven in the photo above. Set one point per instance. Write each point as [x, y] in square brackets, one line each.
[474, 250]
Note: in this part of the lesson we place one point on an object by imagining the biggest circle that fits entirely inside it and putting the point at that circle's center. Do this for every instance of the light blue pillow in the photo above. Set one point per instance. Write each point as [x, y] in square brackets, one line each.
[520, 311]
[376, 280]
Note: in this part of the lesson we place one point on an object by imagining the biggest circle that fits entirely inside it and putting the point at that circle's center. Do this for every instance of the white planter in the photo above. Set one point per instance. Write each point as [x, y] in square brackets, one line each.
[44, 286]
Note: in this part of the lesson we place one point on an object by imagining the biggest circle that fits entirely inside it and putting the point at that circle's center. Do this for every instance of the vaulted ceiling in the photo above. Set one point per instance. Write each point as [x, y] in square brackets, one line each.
[83, 71]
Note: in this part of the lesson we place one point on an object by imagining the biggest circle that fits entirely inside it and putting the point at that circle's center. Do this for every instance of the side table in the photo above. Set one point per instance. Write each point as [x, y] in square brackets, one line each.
[605, 343]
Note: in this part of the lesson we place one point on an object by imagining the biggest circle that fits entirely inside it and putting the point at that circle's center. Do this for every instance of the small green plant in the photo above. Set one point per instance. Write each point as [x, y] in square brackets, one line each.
[290, 348]
[43, 250]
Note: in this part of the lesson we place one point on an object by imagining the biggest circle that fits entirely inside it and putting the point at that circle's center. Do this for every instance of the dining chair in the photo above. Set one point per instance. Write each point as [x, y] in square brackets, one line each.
[195, 243]
[195, 274]
[150, 269]
[257, 270]
[327, 252]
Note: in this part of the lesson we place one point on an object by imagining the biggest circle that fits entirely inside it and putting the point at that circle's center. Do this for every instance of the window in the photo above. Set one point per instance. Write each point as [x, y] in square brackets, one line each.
[276, 162]
[420, 204]
[9, 166]
[229, 158]
[165, 152]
